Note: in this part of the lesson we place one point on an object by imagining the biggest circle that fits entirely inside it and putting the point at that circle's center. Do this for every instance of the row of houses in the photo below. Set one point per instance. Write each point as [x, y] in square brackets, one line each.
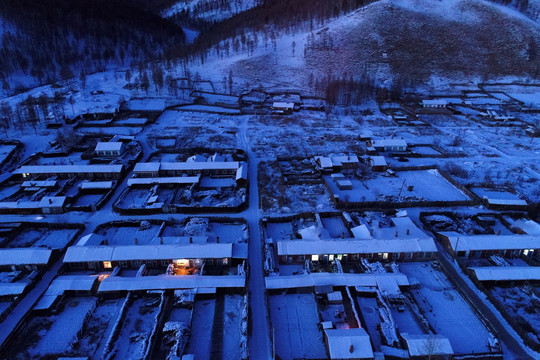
[95, 171]
[105, 257]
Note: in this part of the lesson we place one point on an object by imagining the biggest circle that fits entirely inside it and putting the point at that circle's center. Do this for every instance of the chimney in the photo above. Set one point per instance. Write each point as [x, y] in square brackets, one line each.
[136, 241]
[371, 232]
[291, 236]
[408, 231]
[343, 235]
[161, 240]
[191, 239]
[50, 201]
[351, 348]
[217, 239]
[396, 233]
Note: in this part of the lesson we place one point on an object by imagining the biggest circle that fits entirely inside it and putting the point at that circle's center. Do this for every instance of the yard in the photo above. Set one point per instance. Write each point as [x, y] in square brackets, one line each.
[201, 329]
[43, 237]
[446, 310]
[422, 185]
[296, 331]
[52, 334]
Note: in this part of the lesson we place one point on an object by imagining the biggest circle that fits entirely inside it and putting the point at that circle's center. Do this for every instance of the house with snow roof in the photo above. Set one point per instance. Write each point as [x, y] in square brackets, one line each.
[110, 148]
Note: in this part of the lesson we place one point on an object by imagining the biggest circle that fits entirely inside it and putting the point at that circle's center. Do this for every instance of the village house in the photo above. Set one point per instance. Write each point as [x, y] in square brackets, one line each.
[226, 168]
[435, 103]
[191, 255]
[110, 148]
[283, 108]
[483, 246]
[333, 163]
[498, 274]
[352, 250]
[425, 346]
[378, 163]
[29, 259]
[30, 172]
[388, 144]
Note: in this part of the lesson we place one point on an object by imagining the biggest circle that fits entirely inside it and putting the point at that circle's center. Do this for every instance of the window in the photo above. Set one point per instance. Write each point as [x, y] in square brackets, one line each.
[420, 255]
[395, 256]
[225, 261]
[385, 256]
[124, 264]
[289, 259]
[301, 258]
[106, 265]
[331, 257]
[164, 262]
[339, 257]
[314, 257]
[355, 257]
[91, 265]
[408, 256]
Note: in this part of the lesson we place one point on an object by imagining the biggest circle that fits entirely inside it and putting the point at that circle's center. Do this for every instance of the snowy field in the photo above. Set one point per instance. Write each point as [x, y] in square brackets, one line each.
[51, 335]
[427, 185]
[530, 95]
[279, 231]
[295, 321]
[335, 226]
[446, 310]
[370, 313]
[201, 329]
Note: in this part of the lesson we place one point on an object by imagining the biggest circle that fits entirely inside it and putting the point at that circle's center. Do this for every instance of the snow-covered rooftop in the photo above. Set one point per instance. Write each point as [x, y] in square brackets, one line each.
[26, 256]
[68, 169]
[147, 252]
[507, 273]
[355, 246]
[186, 166]
[109, 146]
[96, 185]
[427, 345]
[389, 142]
[164, 180]
[164, 282]
[490, 242]
[342, 279]
[348, 344]
[52, 201]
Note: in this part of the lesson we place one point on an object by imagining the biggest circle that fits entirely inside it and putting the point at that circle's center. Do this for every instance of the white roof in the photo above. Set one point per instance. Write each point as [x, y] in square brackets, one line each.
[25, 256]
[109, 146]
[325, 161]
[530, 227]
[164, 282]
[507, 273]
[335, 296]
[434, 102]
[242, 173]
[378, 161]
[19, 205]
[97, 185]
[186, 166]
[164, 180]
[354, 246]
[348, 344]
[147, 167]
[12, 289]
[491, 242]
[71, 283]
[404, 223]
[333, 279]
[46, 183]
[68, 169]
[361, 232]
[425, 345]
[285, 105]
[52, 201]
[344, 159]
[511, 202]
[389, 142]
[147, 252]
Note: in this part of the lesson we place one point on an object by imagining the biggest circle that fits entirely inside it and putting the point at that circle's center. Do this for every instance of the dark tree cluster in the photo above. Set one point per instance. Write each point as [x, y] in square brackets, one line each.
[57, 39]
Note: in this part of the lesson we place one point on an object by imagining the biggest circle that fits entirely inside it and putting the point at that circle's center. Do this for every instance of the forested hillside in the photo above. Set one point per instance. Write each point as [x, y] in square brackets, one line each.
[44, 41]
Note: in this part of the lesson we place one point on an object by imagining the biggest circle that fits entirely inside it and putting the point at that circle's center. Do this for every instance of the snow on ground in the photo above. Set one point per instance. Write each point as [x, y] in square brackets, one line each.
[427, 185]
[5, 150]
[52, 334]
[209, 10]
[232, 327]
[520, 304]
[138, 324]
[201, 329]
[296, 331]
[42, 237]
[446, 310]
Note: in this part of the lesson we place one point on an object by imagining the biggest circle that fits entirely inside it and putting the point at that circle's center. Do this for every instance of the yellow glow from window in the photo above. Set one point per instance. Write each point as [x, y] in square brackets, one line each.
[182, 262]
[107, 265]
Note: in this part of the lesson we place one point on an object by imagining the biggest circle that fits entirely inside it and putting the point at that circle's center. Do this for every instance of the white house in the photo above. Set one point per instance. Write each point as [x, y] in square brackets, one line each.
[348, 344]
[389, 144]
[109, 148]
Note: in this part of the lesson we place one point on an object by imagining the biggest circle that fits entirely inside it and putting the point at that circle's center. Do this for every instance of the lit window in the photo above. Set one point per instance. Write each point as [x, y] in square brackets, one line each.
[314, 257]
[331, 257]
[107, 265]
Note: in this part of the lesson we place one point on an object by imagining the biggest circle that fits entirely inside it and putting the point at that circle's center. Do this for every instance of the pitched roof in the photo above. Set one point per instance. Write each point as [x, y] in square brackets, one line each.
[507, 273]
[25, 256]
[425, 345]
[490, 242]
[348, 344]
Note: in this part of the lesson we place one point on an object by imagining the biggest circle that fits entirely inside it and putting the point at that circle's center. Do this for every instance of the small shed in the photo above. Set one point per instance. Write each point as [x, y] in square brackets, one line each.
[285, 108]
[52, 204]
[423, 345]
[348, 344]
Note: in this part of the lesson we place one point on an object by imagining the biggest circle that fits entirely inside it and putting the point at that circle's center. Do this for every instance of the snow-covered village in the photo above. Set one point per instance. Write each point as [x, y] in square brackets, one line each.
[256, 179]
